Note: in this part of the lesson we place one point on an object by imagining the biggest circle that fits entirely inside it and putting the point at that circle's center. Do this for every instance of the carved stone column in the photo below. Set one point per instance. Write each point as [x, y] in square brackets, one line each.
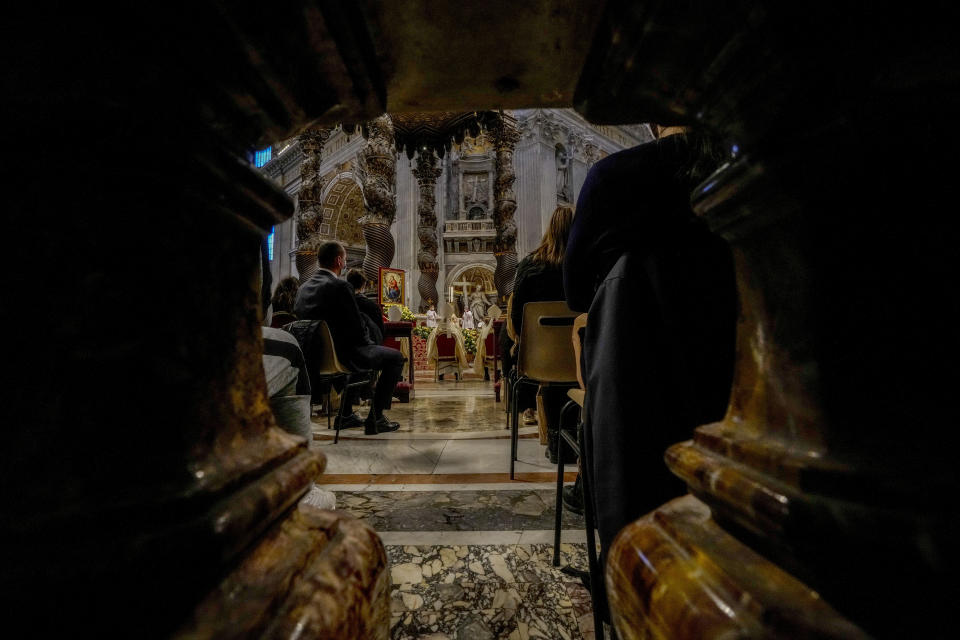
[427, 174]
[309, 215]
[505, 136]
[377, 170]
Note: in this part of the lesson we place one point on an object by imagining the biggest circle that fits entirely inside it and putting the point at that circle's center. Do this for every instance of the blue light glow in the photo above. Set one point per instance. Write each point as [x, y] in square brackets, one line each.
[263, 156]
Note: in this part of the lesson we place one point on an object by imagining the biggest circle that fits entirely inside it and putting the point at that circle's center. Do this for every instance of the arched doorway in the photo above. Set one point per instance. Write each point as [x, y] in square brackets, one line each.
[342, 210]
[464, 279]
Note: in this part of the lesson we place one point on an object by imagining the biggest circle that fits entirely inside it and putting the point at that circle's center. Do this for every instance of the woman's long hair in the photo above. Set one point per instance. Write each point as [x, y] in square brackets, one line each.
[554, 243]
[285, 295]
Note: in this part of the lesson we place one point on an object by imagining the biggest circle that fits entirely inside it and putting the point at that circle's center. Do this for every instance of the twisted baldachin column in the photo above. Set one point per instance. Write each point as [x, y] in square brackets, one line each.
[309, 215]
[427, 174]
[505, 136]
[377, 170]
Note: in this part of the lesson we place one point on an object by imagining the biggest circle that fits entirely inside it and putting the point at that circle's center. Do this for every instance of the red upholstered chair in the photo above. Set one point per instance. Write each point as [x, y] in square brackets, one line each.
[446, 354]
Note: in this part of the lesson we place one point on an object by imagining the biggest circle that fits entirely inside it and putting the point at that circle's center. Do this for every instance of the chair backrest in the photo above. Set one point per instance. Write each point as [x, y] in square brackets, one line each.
[490, 345]
[446, 310]
[493, 312]
[511, 330]
[327, 362]
[281, 318]
[394, 313]
[546, 351]
[446, 346]
[579, 323]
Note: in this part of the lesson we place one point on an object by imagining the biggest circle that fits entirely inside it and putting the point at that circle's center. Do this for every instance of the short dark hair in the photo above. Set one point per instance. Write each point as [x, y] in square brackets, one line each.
[328, 252]
[356, 278]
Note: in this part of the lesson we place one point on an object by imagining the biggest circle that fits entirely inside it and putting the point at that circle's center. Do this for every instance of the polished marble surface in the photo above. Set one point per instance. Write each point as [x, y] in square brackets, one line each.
[463, 486]
[483, 510]
[442, 407]
[429, 456]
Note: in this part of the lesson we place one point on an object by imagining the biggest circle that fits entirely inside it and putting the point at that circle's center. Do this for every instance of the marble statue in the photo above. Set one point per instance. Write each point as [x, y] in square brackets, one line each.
[478, 303]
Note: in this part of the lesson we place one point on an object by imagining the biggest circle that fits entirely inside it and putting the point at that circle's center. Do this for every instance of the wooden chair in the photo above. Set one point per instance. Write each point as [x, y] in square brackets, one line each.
[544, 357]
[328, 369]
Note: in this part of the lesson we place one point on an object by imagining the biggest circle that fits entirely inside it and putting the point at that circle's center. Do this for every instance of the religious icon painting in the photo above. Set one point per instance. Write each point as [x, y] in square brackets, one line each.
[391, 286]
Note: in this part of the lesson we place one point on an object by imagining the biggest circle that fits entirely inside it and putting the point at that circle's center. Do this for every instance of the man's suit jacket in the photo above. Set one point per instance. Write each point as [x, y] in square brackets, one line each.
[372, 310]
[326, 297]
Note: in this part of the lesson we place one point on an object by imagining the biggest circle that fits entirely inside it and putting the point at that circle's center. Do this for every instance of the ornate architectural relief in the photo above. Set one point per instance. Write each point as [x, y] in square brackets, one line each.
[547, 127]
[343, 210]
[309, 214]
[377, 170]
[505, 137]
[476, 198]
[427, 174]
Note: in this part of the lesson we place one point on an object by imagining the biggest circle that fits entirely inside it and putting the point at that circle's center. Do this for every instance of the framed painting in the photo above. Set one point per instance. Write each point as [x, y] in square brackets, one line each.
[392, 287]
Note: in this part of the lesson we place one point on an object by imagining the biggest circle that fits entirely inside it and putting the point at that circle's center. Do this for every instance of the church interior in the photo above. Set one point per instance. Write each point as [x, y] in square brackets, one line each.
[175, 163]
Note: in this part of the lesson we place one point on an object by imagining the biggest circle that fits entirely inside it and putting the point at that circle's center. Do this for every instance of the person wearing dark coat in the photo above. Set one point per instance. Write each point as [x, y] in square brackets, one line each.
[369, 310]
[659, 345]
[326, 297]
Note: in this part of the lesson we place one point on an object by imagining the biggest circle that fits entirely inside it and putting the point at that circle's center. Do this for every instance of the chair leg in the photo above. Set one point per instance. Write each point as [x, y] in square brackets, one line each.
[597, 589]
[559, 505]
[336, 436]
[327, 407]
[567, 408]
[514, 430]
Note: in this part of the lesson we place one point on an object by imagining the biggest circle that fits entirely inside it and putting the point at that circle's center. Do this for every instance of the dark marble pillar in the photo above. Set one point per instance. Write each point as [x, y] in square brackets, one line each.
[142, 465]
[829, 479]
[427, 174]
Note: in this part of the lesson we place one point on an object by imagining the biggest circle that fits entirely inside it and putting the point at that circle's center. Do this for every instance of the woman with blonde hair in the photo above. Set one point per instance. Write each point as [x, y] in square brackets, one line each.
[540, 278]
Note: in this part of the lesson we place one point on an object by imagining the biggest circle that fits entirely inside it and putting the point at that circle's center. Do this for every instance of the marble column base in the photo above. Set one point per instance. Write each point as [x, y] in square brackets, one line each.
[676, 574]
[315, 574]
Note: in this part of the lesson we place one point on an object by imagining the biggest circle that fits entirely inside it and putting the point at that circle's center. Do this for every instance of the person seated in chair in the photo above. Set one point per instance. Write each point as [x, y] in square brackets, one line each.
[659, 345]
[370, 311]
[326, 297]
[540, 278]
[447, 325]
[282, 302]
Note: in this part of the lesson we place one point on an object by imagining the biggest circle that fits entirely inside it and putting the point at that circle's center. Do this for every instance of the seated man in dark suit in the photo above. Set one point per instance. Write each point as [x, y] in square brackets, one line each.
[326, 297]
[368, 308]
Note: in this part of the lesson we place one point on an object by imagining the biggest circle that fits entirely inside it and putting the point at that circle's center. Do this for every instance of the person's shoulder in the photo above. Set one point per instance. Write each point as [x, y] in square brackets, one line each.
[625, 162]
[525, 265]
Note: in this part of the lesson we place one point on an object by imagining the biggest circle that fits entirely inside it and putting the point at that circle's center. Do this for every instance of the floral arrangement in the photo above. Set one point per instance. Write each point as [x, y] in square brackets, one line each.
[470, 337]
[405, 314]
[422, 332]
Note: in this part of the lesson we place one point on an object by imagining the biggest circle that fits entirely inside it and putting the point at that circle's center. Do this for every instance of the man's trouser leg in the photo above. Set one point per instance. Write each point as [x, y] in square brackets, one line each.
[390, 364]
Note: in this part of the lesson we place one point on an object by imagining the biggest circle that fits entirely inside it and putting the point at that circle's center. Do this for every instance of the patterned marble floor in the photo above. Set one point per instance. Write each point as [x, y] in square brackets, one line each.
[470, 556]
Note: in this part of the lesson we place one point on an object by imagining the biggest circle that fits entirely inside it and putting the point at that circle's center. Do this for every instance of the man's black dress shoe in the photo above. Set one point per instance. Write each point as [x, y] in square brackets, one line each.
[349, 422]
[381, 425]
